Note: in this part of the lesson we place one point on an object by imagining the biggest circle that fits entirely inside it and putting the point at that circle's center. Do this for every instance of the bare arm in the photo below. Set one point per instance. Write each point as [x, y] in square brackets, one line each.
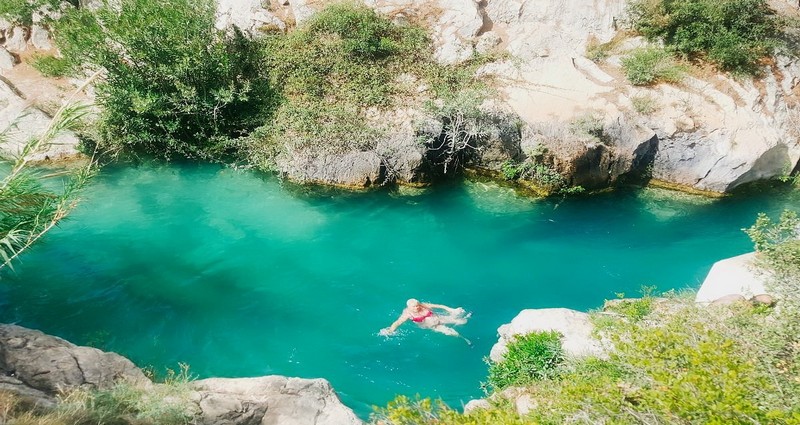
[439, 306]
[390, 330]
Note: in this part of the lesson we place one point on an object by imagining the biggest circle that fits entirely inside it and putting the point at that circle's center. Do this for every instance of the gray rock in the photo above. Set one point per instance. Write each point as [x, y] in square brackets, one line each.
[17, 39]
[250, 16]
[30, 398]
[50, 364]
[270, 400]
[7, 60]
[351, 169]
[763, 299]
[625, 150]
[487, 42]
[404, 158]
[40, 38]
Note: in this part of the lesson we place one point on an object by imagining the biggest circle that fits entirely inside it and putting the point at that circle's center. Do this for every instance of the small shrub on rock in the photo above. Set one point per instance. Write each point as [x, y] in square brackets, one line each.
[651, 65]
[531, 357]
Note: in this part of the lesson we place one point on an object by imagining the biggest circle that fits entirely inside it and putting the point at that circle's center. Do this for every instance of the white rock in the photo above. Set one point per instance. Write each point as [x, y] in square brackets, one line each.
[22, 122]
[271, 400]
[735, 275]
[248, 15]
[301, 10]
[40, 38]
[574, 325]
[474, 405]
[7, 60]
[487, 42]
[17, 41]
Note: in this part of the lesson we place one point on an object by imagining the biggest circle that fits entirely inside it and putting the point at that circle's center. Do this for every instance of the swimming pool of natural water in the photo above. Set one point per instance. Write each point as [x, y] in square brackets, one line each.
[239, 275]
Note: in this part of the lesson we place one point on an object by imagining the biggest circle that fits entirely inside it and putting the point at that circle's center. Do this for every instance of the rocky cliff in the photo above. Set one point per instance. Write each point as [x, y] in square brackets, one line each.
[710, 132]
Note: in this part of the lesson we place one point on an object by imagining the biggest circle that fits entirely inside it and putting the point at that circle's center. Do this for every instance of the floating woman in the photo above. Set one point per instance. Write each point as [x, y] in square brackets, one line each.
[423, 315]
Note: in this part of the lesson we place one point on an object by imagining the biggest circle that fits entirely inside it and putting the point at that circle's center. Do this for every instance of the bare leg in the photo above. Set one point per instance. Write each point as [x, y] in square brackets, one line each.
[449, 331]
[459, 317]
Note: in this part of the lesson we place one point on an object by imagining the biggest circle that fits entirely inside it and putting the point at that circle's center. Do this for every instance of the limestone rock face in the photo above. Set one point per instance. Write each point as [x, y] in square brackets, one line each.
[23, 122]
[574, 325]
[49, 364]
[250, 16]
[270, 400]
[7, 60]
[351, 169]
[736, 275]
[40, 38]
[17, 39]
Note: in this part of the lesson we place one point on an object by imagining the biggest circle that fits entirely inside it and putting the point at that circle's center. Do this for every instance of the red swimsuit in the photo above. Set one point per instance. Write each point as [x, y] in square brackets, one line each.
[421, 319]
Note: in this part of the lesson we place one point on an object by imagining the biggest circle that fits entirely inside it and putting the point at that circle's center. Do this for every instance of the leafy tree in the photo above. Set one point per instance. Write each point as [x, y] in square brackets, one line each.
[175, 85]
[733, 34]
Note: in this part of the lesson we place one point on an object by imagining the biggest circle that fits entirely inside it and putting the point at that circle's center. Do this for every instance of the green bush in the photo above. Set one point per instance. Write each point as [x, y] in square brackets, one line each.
[651, 65]
[175, 86]
[733, 34]
[530, 357]
[423, 411]
[778, 244]
[51, 66]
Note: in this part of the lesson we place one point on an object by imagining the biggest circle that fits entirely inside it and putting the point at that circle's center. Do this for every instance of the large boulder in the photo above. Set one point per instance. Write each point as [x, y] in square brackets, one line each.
[270, 400]
[22, 122]
[575, 326]
[357, 169]
[50, 364]
[736, 275]
[36, 367]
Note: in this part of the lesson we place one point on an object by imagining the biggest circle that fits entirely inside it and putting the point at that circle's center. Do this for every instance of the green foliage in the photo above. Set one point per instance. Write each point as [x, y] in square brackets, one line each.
[530, 357]
[778, 244]
[344, 54]
[511, 170]
[175, 86]
[651, 65]
[21, 11]
[51, 66]
[347, 61]
[634, 309]
[732, 34]
[27, 209]
[423, 411]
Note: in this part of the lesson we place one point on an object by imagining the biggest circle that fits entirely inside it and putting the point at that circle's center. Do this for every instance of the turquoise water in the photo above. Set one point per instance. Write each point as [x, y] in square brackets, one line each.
[238, 275]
